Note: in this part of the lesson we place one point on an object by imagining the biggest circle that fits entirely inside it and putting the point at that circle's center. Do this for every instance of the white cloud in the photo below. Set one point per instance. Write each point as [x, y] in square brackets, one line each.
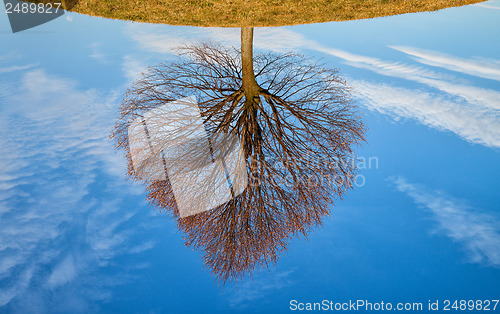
[489, 5]
[259, 287]
[480, 67]
[469, 111]
[19, 287]
[96, 53]
[133, 68]
[9, 262]
[54, 148]
[389, 68]
[475, 95]
[148, 38]
[102, 227]
[479, 233]
[142, 247]
[478, 96]
[16, 68]
[63, 273]
[474, 124]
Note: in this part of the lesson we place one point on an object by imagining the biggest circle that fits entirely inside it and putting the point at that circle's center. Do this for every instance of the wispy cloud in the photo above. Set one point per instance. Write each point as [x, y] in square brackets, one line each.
[55, 229]
[471, 112]
[63, 273]
[97, 53]
[16, 68]
[480, 67]
[23, 282]
[475, 95]
[151, 38]
[478, 232]
[13, 58]
[260, 286]
[133, 67]
[495, 5]
[474, 124]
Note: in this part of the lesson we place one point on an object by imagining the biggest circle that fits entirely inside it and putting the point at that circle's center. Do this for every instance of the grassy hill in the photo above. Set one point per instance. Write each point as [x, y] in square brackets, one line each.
[237, 13]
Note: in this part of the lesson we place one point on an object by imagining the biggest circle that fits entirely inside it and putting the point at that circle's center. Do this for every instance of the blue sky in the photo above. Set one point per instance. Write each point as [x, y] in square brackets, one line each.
[76, 236]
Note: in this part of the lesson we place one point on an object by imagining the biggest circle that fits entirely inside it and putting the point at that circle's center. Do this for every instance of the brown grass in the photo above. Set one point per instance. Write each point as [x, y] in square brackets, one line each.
[238, 13]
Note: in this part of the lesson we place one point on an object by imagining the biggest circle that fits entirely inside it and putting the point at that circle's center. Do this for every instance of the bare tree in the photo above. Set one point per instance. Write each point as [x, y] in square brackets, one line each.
[297, 126]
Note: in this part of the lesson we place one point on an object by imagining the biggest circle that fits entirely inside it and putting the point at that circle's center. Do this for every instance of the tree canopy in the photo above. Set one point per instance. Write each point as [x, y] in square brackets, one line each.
[298, 128]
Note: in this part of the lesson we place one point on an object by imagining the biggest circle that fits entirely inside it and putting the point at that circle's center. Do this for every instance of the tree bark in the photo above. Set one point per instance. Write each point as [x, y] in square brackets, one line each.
[251, 129]
[249, 84]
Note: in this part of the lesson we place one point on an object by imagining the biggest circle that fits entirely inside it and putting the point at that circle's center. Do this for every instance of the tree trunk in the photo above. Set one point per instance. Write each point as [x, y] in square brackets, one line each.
[249, 84]
[251, 129]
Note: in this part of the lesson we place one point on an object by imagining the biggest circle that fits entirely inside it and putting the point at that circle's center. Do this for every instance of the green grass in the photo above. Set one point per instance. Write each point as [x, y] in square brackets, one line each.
[237, 13]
